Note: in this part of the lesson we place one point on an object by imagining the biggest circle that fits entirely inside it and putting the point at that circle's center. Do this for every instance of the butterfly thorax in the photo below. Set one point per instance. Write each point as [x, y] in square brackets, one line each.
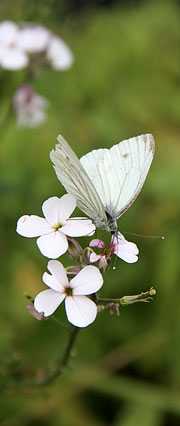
[112, 224]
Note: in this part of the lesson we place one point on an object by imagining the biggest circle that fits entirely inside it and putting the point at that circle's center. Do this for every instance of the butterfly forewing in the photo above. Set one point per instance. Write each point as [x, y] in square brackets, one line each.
[75, 180]
[120, 172]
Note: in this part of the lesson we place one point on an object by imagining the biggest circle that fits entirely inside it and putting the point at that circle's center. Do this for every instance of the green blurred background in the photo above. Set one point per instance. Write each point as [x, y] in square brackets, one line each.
[125, 81]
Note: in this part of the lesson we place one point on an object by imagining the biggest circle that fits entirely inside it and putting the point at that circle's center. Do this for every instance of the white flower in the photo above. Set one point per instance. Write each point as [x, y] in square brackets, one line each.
[52, 230]
[34, 38]
[124, 249]
[59, 54]
[12, 56]
[80, 310]
[30, 107]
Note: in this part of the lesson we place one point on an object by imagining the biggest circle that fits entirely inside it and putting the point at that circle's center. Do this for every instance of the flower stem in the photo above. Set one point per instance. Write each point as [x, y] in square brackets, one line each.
[64, 360]
[67, 353]
[49, 378]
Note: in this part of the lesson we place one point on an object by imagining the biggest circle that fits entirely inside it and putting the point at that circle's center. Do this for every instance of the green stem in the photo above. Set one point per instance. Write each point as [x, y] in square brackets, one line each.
[64, 360]
[70, 343]
[61, 365]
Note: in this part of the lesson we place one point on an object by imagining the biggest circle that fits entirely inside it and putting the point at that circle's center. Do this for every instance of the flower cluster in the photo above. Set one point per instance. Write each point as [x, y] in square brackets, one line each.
[18, 45]
[33, 47]
[118, 245]
[56, 232]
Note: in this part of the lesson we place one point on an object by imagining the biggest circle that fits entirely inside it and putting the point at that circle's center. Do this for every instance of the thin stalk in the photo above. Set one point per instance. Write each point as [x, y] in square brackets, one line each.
[63, 363]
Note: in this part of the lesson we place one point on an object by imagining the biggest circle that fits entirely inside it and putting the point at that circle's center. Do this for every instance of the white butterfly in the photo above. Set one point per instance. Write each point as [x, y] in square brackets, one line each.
[105, 182]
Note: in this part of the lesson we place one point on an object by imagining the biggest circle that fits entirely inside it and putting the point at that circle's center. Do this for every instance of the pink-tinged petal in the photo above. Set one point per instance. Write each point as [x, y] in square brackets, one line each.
[127, 246]
[48, 301]
[94, 257]
[116, 239]
[78, 228]
[80, 310]
[97, 243]
[57, 210]
[53, 245]
[57, 270]
[103, 262]
[32, 226]
[127, 251]
[33, 312]
[87, 281]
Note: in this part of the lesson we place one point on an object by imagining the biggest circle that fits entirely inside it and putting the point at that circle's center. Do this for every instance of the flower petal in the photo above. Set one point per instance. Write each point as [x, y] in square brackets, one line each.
[33, 38]
[94, 257]
[59, 54]
[126, 251]
[48, 301]
[8, 32]
[87, 281]
[57, 210]
[97, 243]
[78, 227]
[32, 226]
[52, 282]
[57, 270]
[80, 310]
[53, 245]
[12, 58]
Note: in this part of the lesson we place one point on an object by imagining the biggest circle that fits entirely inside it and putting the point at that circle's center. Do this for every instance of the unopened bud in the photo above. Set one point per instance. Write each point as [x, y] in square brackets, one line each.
[142, 297]
[34, 313]
[114, 309]
[73, 270]
[74, 248]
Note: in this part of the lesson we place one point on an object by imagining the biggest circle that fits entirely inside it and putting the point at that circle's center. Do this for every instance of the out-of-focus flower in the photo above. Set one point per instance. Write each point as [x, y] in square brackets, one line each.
[12, 56]
[30, 107]
[34, 38]
[19, 44]
[54, 229]
[80, 310]
[124, 249]
[59, 54]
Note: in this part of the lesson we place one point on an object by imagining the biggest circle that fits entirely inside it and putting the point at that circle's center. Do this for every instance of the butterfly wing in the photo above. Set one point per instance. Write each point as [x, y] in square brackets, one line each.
[75, 180]
[119, 172]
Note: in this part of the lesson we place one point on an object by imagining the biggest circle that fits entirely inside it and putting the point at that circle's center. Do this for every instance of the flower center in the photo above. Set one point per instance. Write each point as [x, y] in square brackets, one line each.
[57, 226]
[68, 291]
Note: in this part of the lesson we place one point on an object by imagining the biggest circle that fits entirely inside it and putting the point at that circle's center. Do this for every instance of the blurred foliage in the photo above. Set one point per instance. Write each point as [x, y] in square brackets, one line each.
[125, 81]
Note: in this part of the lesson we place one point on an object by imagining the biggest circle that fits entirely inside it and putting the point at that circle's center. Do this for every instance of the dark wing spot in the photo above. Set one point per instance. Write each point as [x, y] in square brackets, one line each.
[125, 155]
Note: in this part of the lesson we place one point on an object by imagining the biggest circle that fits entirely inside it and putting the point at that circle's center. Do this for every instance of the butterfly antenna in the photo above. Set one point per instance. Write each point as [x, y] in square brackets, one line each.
[145, 236]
